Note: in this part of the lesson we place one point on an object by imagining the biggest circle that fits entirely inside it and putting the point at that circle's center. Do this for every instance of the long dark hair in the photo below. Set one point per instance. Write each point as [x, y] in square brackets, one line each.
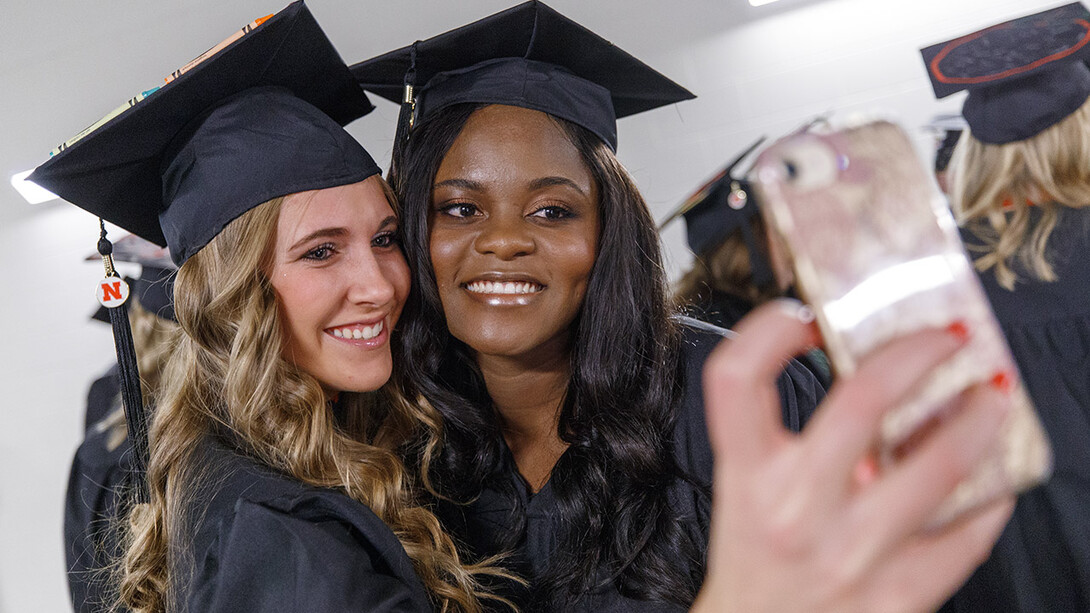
[618, 415]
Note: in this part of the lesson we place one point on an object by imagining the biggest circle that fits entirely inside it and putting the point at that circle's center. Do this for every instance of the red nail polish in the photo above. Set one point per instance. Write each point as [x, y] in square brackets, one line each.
[959, 330]
[1002, 381]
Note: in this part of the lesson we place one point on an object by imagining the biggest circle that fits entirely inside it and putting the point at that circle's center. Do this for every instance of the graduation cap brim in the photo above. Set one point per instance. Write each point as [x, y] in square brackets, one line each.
[530, 31]
[1023, 75]
[707, 192]
[1014, 49]
[115, 171]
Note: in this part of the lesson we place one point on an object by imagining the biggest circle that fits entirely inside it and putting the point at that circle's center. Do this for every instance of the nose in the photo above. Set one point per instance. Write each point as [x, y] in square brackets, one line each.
[505, 236]
[368, 283]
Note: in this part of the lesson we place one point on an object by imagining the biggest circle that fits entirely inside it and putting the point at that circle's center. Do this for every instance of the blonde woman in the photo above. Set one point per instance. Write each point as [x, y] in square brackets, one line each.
[273, 478]
[1022, 196]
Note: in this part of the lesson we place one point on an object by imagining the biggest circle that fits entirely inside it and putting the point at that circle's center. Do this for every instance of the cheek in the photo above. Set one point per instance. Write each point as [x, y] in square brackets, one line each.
[292, 316]
[577, 260]
[446, 254]
[397, 274]
[285, 288]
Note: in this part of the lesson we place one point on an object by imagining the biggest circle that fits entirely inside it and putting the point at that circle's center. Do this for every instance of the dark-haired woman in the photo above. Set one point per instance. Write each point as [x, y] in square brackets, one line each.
[573, 416]
[560, 370]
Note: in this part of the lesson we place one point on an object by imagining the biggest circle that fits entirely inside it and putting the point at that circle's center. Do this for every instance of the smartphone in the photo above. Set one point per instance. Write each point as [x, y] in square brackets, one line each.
[875, 251]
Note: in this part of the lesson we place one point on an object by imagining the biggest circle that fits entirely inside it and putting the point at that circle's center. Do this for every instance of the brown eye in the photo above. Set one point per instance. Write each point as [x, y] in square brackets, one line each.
[553, 212]
[386, 239]
[319, 253]
[459, 209]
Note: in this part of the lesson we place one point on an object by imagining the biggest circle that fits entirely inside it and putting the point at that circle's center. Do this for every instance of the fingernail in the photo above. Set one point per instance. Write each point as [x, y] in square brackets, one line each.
[1002, 381]
[796, 309]
[866, 471]
[959, 330]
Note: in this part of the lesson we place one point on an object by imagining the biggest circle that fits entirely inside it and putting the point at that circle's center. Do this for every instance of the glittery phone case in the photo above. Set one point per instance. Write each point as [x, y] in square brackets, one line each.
[876, 252]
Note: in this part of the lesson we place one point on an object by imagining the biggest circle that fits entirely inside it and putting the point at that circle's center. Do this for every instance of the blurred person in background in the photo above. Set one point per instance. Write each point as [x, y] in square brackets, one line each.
[1021, 193]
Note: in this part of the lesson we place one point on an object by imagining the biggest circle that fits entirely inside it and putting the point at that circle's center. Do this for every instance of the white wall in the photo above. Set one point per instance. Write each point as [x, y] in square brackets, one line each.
[757, 71]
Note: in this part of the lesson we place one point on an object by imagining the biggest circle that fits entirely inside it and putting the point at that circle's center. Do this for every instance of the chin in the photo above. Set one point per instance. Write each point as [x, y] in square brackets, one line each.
[374, 375]
[503, 345]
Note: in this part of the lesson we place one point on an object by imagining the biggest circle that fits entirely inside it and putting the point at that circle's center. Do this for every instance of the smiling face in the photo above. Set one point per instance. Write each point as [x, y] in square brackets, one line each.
[514, 227]
[340, 281]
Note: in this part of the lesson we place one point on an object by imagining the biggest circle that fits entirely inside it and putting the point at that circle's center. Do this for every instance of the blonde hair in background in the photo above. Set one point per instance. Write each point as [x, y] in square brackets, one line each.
[227, 375]
[1050, 170]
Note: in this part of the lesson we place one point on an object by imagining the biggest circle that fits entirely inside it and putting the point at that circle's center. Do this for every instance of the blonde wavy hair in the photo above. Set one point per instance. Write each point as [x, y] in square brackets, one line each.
[226, 374]
[726, 268]
[994, 186]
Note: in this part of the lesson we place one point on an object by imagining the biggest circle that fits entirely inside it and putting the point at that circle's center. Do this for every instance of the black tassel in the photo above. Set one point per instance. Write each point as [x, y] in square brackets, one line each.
[129, 375]
[406, 115]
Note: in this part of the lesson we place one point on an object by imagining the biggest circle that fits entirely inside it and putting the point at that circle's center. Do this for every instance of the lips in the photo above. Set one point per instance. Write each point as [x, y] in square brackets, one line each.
[357, 331]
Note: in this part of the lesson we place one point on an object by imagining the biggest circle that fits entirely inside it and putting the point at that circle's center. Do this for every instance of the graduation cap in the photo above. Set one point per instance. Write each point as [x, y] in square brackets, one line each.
[259, 115]
[1023, 75]
[528, 56]
[720, 207]
[154, 288]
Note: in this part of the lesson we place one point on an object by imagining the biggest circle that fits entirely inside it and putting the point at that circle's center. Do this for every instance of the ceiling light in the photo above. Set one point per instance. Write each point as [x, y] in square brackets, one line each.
[760, 2]
[31, 192]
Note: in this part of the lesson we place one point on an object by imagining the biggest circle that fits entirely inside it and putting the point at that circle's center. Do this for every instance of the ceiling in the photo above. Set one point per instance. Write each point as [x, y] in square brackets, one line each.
[65, 63]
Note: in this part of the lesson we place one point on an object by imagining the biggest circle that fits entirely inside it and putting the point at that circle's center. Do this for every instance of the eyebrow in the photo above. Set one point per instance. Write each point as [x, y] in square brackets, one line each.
[554, 181]
[338, 232]
[536, 184]
[462, 183]
[323, 233]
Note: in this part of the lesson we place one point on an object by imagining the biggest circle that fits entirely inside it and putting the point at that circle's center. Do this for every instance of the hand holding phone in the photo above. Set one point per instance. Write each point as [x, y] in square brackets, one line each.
[876, 253]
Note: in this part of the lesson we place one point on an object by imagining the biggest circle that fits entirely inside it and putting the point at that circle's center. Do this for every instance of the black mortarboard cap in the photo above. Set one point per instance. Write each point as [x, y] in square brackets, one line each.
[528, 56]
[258, 118]
[722, 206]
[154, 288]
[259, 115]
[1023, 75]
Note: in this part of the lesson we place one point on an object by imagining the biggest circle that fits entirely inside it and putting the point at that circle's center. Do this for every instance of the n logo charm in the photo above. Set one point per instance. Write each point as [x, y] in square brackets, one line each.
[112, 292]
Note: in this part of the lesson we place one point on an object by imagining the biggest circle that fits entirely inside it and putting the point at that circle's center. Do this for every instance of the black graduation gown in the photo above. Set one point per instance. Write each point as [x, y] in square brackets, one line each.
[96, 485]
[1042, 560]
[482, 524]
[263, 542]
[726, 310]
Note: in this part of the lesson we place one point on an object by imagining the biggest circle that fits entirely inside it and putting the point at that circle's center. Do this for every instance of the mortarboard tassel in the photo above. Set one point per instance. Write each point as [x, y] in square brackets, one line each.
[406, 115]
[114, 293]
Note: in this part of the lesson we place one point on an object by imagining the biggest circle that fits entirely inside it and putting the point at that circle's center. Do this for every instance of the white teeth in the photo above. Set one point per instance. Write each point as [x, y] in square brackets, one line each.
[509, 287]
[364, 333]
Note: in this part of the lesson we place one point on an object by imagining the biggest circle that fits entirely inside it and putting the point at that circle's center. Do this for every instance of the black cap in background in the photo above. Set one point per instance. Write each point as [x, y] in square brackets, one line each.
[721, 207]
[1023, 75]
[528, 56]
[718, 208]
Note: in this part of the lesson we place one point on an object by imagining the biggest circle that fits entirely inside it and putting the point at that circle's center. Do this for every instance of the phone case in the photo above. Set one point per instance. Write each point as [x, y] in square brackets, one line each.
[876, 253]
